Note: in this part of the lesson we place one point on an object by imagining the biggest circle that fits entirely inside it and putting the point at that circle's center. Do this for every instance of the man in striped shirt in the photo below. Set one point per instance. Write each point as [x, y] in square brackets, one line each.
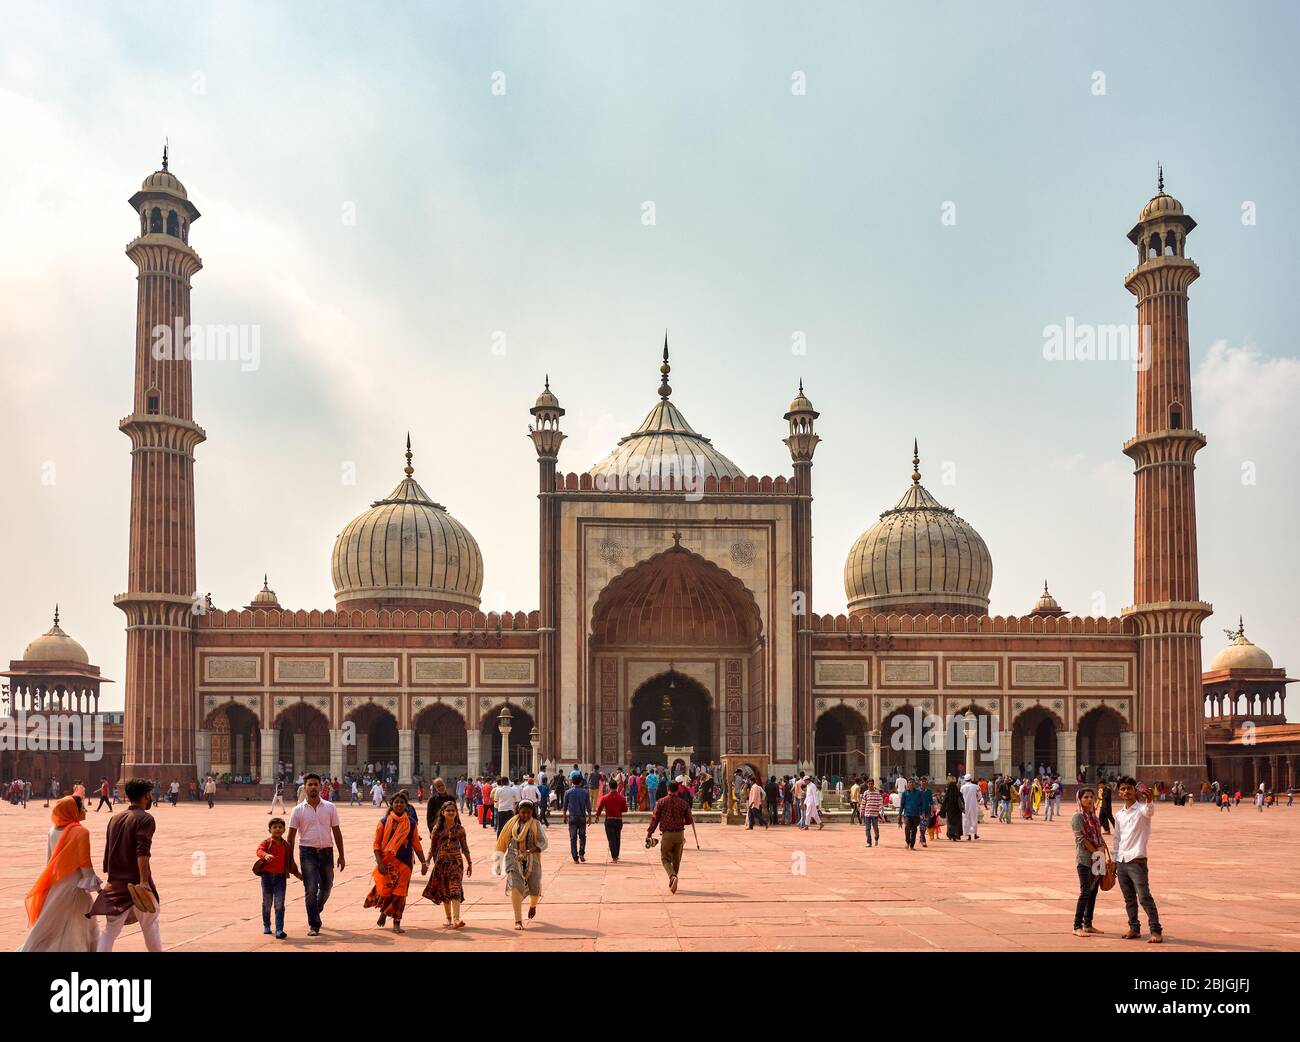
[872, 805]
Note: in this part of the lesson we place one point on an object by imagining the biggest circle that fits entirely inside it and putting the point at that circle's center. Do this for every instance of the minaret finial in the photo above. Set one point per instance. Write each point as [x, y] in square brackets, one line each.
[916, 464]
[164, 154]
[548, 381]
[56, 614]
[1044, 586]
[266, 585]
[408, 470]
[1160, 178]
[665, 391]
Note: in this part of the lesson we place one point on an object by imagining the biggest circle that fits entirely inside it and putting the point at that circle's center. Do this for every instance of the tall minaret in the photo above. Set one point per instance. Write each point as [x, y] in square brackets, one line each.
[1166, 594]
[802, 443]
[161, 600]
[547, 436]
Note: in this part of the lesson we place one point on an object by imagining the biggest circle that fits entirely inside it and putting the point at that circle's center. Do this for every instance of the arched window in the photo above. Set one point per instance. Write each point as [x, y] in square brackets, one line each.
[1171, 245]
[173, 224]
[1176, 416]
[1153, 247]
[152, 402]
[155, 220]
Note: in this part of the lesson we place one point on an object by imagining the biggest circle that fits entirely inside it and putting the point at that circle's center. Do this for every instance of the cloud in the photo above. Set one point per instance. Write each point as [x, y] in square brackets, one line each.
[1240, 391]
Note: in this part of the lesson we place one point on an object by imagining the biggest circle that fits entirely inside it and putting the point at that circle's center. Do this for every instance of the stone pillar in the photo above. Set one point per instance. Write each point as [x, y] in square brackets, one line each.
[1128, 750]
[363, 750]
[270, 754]
[939, 754]
[505, 750]
[968, 733]
[300, 753]
[336, 754]
[405, 756]
[535, 740]
[874, 740]
[1066, 754]
[473, 738]
[203, 753]
[1004, 753]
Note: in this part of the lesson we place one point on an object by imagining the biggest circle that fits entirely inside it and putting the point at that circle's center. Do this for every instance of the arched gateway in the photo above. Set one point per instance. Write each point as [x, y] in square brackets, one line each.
[676, 644]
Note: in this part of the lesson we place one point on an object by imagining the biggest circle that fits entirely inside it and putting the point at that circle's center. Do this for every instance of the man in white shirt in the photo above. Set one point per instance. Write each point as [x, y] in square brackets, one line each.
[318, 822]
[529, 791]
[1129, 835]
[900, 786]
[505, 797]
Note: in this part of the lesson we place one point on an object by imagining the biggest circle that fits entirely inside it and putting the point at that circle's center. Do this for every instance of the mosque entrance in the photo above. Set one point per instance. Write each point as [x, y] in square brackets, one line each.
[840, 744]
[671, 710]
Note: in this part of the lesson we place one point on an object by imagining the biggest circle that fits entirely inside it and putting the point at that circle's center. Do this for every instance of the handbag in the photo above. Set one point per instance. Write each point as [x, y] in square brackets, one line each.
[1108, 878]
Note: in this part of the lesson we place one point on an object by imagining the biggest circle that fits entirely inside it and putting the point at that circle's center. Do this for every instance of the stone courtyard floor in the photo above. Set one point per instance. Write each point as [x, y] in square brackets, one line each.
[1223, 882]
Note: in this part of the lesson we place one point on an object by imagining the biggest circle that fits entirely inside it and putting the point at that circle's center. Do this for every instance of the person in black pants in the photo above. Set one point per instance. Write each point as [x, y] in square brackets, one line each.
[1089, 857]
[614, 806]
[773, 793]
[577, 809]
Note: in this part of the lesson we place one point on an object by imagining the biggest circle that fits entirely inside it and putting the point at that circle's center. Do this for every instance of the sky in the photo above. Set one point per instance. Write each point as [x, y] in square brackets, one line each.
[423, 209]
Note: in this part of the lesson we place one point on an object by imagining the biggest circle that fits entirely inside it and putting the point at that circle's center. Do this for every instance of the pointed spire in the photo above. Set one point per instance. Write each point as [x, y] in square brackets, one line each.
[1044, 587]
[265, 582]
[164, 154]
[548, 382]
[801, 385]
[1160, 178]
[916, 463]
[56, 615]
[408, 470]
[665, 391]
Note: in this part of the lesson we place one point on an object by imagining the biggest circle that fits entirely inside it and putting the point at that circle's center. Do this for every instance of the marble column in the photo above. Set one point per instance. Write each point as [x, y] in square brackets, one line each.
[1067, 756]
[939, 753]
[873, 740]
[1128, 754]
[405, 756]
[1004, 753]
[969, 735]
[270, 754]
[336, 754]
[202, 753]
[472, 741]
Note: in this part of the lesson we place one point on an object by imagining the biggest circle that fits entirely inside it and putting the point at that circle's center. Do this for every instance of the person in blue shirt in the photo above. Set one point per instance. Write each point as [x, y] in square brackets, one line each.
[927, 804]
[651, 788]
[577, 809]
[545, 791]
[910, 810]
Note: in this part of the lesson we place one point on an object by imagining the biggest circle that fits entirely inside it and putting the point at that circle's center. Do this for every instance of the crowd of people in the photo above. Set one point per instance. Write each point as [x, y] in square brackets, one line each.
[1111, 828]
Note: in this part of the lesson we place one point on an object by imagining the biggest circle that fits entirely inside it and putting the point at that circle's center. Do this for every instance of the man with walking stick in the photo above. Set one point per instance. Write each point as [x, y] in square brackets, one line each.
[671, 816]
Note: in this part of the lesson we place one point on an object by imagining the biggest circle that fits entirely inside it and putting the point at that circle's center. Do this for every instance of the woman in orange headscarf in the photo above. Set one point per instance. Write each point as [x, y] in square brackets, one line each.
[397, 843]
[58, 903]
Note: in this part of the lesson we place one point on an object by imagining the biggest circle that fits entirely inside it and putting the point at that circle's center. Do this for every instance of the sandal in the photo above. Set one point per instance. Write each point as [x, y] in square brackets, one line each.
[519, 924]
[459, 924]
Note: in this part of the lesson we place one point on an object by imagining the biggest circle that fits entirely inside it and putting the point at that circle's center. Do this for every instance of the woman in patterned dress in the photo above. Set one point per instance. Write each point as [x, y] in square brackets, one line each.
[446, 846]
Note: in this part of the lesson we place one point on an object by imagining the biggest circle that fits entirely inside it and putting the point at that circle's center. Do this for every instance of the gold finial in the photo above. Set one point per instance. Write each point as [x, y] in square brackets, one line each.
[408, 470]
[1160, 178]
[665, 391]
[916, 464]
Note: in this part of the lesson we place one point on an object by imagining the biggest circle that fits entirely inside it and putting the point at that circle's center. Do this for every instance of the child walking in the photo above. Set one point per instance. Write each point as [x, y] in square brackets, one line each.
[276, 866]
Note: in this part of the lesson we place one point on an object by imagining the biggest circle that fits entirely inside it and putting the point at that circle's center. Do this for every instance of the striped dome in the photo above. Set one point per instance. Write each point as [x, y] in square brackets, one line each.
[407, 551]
[919, 558]
[665, 452]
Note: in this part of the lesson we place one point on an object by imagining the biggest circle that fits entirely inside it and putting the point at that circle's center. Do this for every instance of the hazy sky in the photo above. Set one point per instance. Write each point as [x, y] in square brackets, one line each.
[417, 248]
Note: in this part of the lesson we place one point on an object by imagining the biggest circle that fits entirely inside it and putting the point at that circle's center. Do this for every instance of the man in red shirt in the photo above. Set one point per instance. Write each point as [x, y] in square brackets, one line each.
[671, 816]
[614, 806]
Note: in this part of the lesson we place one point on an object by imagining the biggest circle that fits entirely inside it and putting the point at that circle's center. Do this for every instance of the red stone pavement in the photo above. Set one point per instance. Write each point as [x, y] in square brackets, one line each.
[1224, 881]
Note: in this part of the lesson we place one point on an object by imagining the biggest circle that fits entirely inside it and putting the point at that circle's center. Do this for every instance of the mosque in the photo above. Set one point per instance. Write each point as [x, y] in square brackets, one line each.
[676, 617]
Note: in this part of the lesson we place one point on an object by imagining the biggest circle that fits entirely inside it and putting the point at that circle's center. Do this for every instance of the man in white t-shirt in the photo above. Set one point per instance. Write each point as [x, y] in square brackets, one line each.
[505, 797]
[1129, 835]
[900, 787]
[530, 791]
[317, 821]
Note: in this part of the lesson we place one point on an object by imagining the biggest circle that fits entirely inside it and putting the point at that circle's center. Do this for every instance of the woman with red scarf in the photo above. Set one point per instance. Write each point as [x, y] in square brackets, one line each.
[1090, 857]
[57, 906]
[397, 843]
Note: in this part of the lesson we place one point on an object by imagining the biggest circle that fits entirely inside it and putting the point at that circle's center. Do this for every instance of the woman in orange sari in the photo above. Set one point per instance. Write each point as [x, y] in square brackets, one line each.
[397, 842]
[58, 903]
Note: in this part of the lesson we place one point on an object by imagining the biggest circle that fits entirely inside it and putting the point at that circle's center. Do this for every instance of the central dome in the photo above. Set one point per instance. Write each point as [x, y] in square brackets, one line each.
[920, 558]
[665, 452]
[406, 551]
